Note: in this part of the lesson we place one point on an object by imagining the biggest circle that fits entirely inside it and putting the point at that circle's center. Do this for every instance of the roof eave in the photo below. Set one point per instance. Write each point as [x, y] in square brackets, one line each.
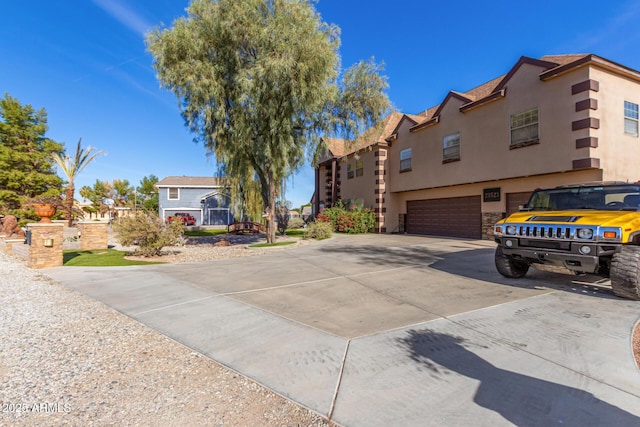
[433, 121]
[495, 96]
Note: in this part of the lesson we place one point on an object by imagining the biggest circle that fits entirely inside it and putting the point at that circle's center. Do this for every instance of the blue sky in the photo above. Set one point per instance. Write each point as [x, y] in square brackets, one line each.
[85, 62]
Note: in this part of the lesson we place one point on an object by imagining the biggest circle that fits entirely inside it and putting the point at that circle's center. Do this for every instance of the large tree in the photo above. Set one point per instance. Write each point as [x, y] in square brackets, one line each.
[71, 167]
[26, 167]
[148, 193]
[258, 84]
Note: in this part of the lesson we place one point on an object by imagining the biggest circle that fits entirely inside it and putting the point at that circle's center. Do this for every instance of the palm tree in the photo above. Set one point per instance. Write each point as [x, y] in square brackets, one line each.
[71, 167]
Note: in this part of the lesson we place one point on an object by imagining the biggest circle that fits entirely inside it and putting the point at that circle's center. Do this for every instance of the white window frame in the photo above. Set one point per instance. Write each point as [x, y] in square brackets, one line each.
[526, 122]
[451, 147]
[405, 160]
[169, 193]
[359, 167]
[631, 118]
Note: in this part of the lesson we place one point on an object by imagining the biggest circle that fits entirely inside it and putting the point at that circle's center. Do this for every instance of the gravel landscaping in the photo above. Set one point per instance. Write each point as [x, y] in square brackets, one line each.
[66, 359]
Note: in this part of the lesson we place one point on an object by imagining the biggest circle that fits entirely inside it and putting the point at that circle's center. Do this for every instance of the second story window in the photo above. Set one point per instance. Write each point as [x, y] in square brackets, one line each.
[350, 170]
[524, 127]
[405, 160]
[630, 118]
[451, 147]
[359, 167]
[174, 194]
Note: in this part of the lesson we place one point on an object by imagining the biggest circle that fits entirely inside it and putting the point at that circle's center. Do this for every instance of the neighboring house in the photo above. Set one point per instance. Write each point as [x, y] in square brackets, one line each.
[206, 198]
[458, 167]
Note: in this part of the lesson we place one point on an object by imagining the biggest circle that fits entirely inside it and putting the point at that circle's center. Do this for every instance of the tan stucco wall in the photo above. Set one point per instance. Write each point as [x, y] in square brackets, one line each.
[485, 136]
[619, 153]
[359, 187]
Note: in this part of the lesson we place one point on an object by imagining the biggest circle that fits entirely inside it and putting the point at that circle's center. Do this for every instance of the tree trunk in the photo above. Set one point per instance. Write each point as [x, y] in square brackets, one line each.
[68, 202]
[271, 210]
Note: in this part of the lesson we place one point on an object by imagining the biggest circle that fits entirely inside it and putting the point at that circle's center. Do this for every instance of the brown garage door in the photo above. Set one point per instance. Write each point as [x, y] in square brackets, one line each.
[452, 217]
[514, 200]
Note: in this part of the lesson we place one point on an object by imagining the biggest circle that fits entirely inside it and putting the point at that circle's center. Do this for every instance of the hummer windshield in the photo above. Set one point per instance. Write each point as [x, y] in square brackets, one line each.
[600, 197]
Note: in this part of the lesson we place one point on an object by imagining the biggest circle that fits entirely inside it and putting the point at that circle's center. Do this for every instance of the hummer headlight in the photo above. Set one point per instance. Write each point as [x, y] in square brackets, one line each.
[585, 233]
[511, 230]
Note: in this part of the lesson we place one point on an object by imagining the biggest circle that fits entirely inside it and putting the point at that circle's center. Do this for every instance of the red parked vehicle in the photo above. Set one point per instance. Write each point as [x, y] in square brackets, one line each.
[186, 218]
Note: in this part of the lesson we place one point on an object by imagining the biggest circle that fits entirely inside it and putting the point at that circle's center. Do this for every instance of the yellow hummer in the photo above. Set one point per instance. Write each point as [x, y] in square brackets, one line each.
[584, 228]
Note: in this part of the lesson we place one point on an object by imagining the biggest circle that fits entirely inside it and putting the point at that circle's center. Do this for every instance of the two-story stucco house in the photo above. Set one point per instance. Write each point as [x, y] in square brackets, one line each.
[458, 167]
[206, 198]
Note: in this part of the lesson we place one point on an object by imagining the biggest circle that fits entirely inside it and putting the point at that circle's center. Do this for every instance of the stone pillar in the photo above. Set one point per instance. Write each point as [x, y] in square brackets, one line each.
[93, 235]
[45, 249]
[10, 243]
[489, 219]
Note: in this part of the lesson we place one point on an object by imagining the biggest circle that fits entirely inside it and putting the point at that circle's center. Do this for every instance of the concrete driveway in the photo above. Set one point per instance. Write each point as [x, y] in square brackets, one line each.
[380, 330]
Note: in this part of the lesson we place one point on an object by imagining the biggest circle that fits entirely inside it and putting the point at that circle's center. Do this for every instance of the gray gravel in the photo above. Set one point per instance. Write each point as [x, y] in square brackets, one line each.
[66, 359]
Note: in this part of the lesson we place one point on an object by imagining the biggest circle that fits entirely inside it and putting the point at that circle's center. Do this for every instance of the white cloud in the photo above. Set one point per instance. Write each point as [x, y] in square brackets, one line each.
[127, 17]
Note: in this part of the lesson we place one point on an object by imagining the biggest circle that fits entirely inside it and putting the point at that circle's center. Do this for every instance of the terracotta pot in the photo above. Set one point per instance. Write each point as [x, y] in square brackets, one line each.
[44, 211]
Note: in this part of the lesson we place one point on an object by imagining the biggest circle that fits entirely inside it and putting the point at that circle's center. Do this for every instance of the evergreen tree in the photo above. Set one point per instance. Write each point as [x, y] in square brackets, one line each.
[26, 164]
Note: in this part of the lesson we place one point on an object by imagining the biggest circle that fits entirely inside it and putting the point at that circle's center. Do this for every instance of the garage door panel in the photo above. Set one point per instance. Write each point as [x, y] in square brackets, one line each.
[514, 200]
[452, 217]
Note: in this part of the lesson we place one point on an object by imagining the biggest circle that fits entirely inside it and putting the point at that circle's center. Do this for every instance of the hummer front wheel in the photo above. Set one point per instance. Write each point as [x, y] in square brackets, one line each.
[625, 273]
[509, 267]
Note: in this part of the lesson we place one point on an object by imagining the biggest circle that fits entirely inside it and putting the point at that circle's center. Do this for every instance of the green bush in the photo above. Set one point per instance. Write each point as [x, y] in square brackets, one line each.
[352, 217]
[295, 222]
[318, 230]
[148, 232]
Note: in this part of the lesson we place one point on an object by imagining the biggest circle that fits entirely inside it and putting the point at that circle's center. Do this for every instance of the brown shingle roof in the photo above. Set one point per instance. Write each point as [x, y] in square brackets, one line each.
[488, 88]
[191, 181]
[376, 134]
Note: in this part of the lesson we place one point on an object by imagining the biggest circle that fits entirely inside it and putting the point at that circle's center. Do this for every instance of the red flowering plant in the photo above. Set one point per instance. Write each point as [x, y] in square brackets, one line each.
[350, 217]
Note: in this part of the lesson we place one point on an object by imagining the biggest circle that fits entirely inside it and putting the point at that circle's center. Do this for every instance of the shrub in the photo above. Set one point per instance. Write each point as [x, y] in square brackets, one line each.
[349, 218]
[295, 222]
[148, 232]
[318, 230]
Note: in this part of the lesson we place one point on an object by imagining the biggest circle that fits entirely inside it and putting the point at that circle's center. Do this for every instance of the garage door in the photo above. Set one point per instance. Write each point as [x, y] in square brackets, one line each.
[514, 200]
[452, 217]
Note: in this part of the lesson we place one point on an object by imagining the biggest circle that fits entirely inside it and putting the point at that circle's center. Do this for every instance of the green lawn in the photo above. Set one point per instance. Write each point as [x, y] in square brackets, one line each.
[199, 233]
[295, 232]
[99, 258]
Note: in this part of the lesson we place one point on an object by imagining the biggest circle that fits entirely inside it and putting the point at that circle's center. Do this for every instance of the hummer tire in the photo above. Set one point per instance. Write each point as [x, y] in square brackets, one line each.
[625, 272]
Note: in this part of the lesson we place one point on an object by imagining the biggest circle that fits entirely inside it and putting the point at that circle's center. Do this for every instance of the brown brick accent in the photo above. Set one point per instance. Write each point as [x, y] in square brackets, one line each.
[590, 84]
[588, 163]
[379, 181]
[380, 172]
[93, 235]
[489, 219]
[587, 104]
[380, 153]
[41, 256]
[589, 123]
[380, 210]
[380, 200]
[383, 229]
[379, 191]
[590, 142]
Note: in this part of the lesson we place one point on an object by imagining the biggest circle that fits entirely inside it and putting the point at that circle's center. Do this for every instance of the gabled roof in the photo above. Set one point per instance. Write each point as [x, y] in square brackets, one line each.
[377, 134]
[191, 182]
[496, 88]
